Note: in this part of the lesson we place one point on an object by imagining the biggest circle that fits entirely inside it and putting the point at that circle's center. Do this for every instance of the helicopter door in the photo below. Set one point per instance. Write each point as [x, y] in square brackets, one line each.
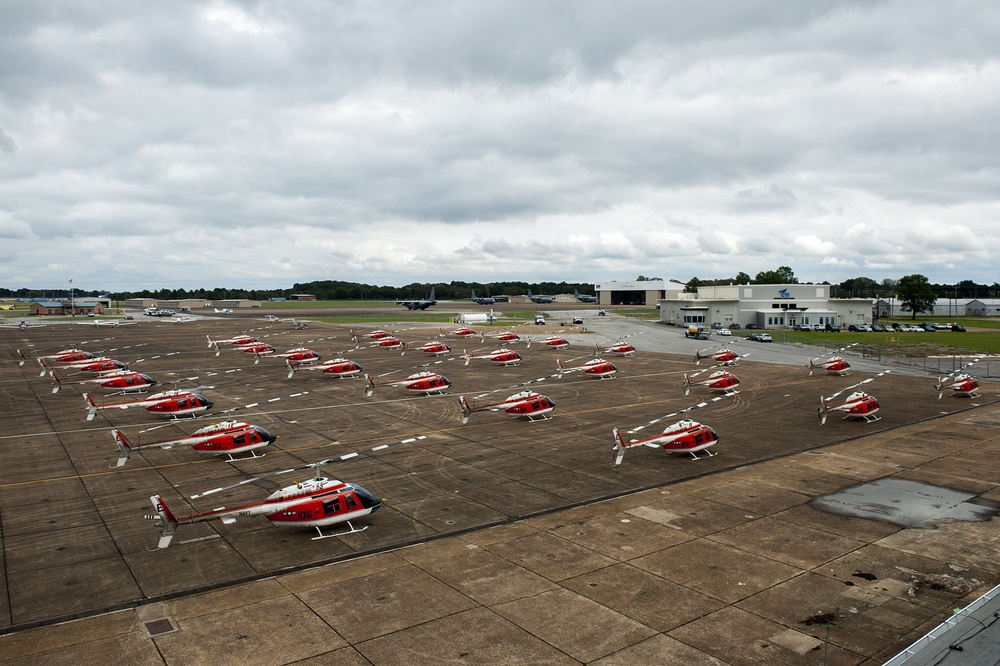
[331, 506]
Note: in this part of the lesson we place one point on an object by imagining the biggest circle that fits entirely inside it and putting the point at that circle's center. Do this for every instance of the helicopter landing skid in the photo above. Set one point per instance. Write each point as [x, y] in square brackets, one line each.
[708, 454]
[327, 536]
[249, 457]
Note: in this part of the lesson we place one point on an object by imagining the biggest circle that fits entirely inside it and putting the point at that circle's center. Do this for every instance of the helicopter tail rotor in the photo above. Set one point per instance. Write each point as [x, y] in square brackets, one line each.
[466, 409]
[687, 384]
[165, 517]
[370, 389]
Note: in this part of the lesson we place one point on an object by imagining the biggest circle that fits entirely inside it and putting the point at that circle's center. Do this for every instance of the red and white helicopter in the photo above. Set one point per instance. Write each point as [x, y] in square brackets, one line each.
[724, 356]
[377, 334]
[534, 406]
[552, 342]
[684, 436]
[317, 502]
[385, 342]
[720, 380]
[172, 403]
[463, 332]
[597, 367]
[342, 368]
[299, 356]
[434, 349]
[621, 348]
[427, 383]
[225, 438]
[123, 381]
[258, 349]
[835, 365]
[506, 337]
[858, 405]
[239, 340]
[64, 356]
[97, 365]
[959, 382]
[498, 356]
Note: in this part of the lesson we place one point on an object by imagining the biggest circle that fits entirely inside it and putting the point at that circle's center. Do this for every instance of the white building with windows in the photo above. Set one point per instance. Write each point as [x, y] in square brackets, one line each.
[765, 306]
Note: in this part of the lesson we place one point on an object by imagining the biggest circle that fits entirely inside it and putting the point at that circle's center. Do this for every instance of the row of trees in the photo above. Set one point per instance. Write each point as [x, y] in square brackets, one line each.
[915, 292]
[329, 290]
[859, 287]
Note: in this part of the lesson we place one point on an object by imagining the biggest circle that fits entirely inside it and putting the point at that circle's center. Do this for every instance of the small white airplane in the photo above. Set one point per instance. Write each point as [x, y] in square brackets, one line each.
[223, 311]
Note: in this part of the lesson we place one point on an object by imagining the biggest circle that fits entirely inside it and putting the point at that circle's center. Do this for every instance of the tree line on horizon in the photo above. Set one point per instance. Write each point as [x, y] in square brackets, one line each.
[915, 290]
[329, 290]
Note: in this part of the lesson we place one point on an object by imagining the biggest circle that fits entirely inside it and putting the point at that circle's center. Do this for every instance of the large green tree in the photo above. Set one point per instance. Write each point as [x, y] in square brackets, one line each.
[781, 275]
[915, 294]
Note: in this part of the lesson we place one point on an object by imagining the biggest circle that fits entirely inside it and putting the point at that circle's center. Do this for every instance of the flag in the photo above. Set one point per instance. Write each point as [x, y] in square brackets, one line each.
[71, 280]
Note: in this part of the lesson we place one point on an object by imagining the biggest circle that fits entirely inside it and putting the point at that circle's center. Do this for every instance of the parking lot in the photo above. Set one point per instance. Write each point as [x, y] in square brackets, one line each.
[75, 540]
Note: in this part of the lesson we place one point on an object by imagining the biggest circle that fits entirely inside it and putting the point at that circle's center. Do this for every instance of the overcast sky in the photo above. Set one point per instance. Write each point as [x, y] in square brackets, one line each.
[260, 144]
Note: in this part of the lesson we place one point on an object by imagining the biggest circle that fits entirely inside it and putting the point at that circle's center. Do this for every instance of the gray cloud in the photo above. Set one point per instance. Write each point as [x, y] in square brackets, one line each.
[266, 143]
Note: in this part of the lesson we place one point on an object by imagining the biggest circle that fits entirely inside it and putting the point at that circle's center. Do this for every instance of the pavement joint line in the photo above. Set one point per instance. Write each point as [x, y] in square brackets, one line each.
[167, 596]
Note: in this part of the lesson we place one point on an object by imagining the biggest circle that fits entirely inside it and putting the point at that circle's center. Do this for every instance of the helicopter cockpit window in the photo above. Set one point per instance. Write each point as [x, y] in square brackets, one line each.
[331, 506]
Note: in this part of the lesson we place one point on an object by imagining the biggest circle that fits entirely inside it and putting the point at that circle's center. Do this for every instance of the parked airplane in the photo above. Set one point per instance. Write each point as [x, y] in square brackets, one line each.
[540, 299]
[483, 300]
[584, 299]
[419, 305]
[223, 311]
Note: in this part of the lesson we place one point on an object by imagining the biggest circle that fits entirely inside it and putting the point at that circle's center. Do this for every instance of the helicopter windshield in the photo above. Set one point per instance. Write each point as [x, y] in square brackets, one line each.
[368, 500]
[265, 435]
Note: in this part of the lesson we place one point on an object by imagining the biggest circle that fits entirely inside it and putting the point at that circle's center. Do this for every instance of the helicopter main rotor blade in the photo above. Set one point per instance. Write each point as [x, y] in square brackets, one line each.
[328, 461]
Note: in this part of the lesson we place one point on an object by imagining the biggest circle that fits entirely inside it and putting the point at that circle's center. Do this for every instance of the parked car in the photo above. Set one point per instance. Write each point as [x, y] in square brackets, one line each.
[734, 327]
[763, 337]
[578, 320]
[127, 317]
[896, 326]
[929, 327]
[853, 328]
[878, 328]
[716, 325]
[751, 327]
[958, 328]
[752, 336]
[802, 327]
[831, 328]
[914, 329]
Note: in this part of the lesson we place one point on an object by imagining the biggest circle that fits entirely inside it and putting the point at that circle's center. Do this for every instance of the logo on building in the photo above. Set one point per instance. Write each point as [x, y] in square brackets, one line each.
[783, 293]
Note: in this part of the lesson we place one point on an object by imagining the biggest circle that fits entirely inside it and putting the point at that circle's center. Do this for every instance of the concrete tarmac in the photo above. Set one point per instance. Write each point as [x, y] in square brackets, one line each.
[500, 541]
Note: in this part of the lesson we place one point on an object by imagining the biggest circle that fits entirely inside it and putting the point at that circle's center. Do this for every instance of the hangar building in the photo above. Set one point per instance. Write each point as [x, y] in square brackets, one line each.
[764, 305]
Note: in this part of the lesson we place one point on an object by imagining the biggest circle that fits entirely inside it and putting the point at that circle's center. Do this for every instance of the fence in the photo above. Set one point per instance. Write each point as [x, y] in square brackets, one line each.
[937, 365]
